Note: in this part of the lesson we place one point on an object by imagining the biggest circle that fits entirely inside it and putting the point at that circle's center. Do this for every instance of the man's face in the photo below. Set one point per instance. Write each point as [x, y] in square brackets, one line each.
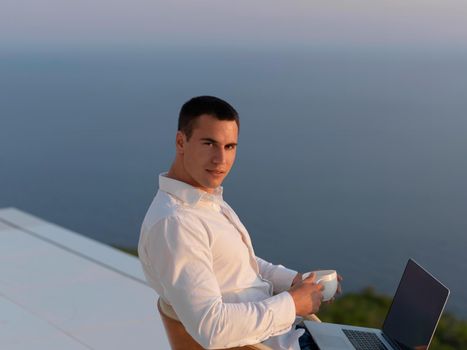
[210, 152]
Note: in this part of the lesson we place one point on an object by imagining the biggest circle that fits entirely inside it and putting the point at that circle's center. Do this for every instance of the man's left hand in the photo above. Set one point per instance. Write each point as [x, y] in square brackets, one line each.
[338, 291]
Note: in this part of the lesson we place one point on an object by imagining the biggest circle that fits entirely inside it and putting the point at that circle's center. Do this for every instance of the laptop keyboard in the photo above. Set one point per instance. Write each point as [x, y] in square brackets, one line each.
[364, 340]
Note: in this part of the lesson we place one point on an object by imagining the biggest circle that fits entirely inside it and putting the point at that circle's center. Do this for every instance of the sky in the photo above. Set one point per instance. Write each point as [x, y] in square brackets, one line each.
[42, 24]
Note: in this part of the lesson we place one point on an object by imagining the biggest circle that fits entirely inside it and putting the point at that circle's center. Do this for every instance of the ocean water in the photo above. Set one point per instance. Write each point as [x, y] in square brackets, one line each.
[347, 159]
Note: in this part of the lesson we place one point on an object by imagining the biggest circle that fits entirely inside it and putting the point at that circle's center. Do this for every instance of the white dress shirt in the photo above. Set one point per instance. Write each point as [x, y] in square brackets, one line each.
[198, 257]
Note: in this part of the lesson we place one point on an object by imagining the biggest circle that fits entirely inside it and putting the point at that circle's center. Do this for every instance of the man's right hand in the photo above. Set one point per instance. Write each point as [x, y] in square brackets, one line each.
[307, 296]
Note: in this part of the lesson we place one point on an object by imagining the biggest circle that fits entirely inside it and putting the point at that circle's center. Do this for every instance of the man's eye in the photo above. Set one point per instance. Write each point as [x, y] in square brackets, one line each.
[208, 143]
[230, 147]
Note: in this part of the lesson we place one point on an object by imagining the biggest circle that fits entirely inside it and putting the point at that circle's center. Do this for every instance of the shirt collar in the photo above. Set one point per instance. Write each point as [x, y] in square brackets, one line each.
[187, 193]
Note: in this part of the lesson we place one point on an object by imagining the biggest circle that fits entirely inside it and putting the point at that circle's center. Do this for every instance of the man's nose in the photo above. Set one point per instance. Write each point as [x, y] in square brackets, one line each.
[219, 156]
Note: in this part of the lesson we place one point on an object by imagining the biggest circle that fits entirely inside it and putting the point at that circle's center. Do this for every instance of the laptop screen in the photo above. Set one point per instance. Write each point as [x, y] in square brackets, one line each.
[416, 308]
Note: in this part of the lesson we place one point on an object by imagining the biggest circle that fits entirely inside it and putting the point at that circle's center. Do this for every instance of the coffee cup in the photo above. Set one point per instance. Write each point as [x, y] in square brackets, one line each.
[328, 278]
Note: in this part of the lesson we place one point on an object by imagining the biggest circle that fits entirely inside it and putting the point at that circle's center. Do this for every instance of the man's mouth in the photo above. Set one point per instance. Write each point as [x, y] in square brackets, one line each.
[215, 172]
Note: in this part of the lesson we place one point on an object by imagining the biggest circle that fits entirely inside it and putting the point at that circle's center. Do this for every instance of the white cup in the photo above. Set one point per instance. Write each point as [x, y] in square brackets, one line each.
[328, 278]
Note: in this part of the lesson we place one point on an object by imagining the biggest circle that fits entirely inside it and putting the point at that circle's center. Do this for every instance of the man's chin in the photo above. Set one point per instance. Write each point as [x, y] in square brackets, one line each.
[212, 185]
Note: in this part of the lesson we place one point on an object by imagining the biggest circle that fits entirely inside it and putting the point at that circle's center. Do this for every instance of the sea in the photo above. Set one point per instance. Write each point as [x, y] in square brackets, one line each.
[348, 159]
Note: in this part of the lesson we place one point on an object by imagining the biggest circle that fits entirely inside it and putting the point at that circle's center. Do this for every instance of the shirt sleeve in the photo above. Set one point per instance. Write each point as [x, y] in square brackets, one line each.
[280, 276]
[179, 250]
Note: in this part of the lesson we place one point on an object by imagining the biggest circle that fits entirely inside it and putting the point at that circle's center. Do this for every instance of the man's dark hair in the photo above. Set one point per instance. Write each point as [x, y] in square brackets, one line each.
[200, 105]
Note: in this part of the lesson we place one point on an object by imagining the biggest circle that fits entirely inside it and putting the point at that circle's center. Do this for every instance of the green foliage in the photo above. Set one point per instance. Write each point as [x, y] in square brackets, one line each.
[131, 251]
[368, 309]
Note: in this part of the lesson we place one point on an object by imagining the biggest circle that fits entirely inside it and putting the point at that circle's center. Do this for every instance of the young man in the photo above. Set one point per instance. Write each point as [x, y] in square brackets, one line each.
[198, 256]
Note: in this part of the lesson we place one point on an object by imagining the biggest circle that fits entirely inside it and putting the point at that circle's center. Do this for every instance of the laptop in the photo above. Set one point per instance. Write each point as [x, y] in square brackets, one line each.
[409, 325]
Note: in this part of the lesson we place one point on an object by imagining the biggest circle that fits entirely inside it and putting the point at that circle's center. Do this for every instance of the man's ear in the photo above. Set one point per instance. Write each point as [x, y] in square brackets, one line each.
[180, 140]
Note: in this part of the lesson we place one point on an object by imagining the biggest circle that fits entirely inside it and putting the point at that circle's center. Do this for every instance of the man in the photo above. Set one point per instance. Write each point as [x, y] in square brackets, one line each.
[198, 256]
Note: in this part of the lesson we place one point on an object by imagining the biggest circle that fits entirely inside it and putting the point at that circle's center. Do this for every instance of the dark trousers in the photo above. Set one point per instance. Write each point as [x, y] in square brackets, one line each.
[306, 341]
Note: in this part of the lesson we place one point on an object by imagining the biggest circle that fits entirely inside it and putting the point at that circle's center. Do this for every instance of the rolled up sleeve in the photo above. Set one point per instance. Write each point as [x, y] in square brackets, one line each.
[280, 276]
